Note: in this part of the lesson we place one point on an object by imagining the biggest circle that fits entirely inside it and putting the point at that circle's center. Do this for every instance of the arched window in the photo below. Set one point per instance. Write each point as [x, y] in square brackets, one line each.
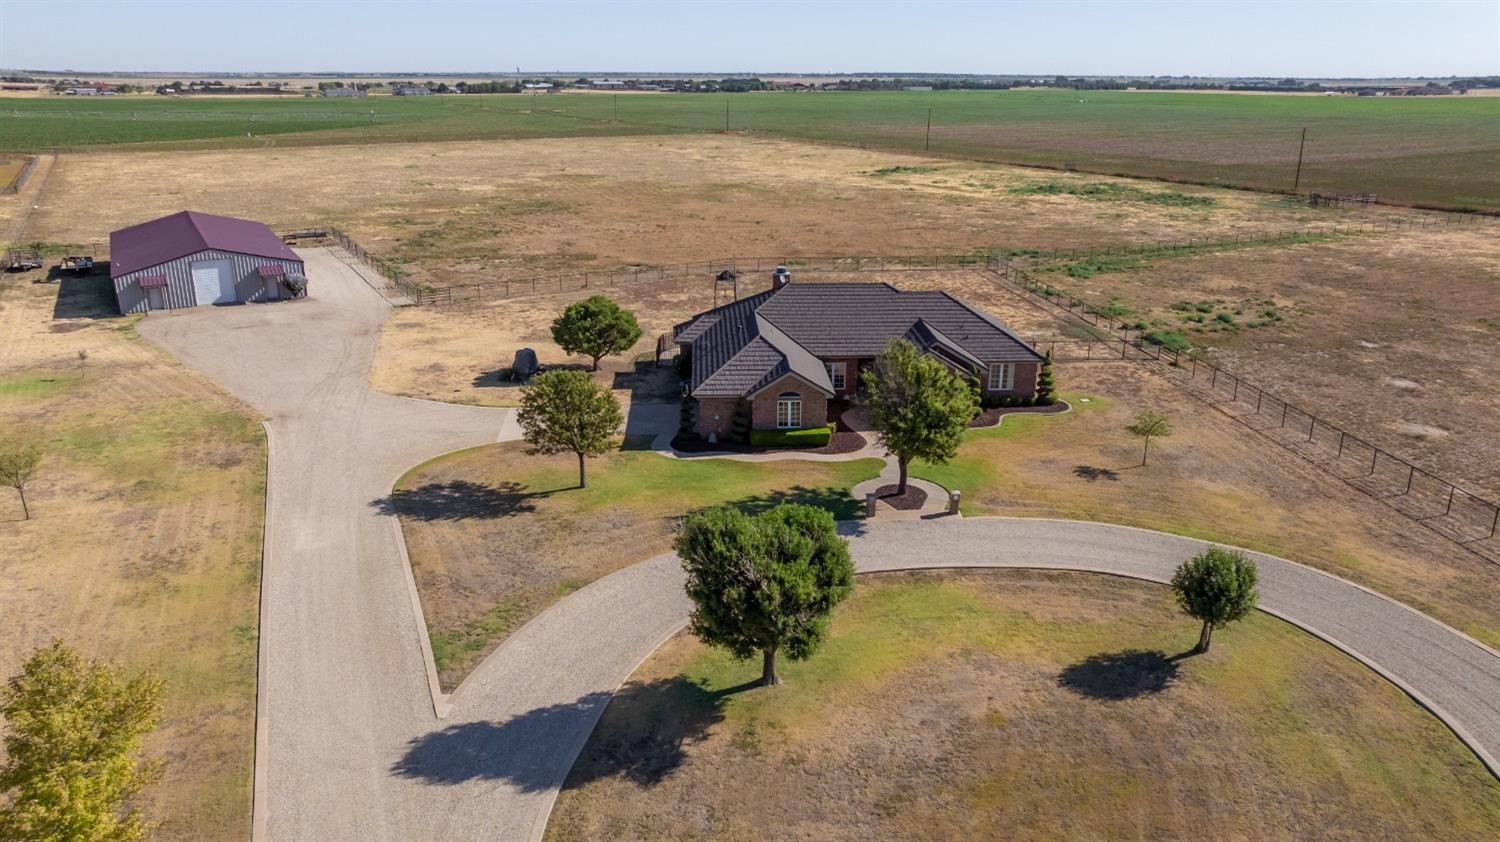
[788, 410]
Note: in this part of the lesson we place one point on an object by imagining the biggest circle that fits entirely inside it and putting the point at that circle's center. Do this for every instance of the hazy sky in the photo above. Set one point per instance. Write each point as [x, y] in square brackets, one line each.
[1438, 37]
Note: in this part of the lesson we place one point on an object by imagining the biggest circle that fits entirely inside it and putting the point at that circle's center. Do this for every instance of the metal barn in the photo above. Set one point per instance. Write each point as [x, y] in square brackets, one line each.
[190, 259]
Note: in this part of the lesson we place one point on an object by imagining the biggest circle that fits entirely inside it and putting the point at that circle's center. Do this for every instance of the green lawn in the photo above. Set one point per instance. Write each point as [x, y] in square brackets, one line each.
[1441, 150]
[496, 536]
[1014, 705]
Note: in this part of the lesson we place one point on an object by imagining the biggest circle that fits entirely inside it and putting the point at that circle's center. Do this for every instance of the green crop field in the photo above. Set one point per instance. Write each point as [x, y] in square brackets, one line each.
[1434, 150]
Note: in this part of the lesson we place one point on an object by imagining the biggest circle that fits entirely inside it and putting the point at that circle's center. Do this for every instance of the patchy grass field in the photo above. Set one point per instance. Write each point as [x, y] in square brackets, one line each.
[144, 541]
[1209, 480]
[466, 212]
[1422, 149]
[1391, 336]
[1015, 705]
[495, 536]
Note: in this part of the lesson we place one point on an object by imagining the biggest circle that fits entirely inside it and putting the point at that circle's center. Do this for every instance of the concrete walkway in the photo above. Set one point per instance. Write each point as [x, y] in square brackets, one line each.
[354, 750]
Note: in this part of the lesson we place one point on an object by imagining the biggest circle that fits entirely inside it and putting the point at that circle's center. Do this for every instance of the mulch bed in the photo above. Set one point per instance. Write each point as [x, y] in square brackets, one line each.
[990, 417]
[910, 501]
[840, 442]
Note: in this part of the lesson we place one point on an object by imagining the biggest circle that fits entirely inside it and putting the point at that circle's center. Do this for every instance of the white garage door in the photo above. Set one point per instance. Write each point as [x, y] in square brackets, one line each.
[213, 281]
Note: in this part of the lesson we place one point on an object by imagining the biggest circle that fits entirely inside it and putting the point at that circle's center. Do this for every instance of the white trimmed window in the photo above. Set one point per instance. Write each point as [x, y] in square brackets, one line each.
[836, 374]
[788, 410]
[1002, 377]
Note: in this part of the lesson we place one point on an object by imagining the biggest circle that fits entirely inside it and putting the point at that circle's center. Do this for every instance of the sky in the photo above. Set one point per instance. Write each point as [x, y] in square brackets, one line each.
[1313, 38]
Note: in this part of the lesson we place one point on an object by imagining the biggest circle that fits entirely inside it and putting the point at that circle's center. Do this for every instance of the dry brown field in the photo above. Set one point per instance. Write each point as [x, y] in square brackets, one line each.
[469, 211]
[1022, 706]
[1395, 337]
[144, 542]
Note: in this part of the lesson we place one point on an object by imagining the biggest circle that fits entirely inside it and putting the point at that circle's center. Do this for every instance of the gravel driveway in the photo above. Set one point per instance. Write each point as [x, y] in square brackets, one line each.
[355, 751]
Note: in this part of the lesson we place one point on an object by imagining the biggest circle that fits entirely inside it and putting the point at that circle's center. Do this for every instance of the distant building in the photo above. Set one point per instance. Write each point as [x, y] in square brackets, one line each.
[82, 92]
[411, 90]
[538, 86]
[343, 92]
[609, 83]
[917, 88]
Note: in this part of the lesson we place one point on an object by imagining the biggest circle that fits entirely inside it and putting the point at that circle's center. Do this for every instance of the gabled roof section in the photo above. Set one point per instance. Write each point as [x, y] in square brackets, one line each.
[931, 340]
[693, 328]
[187, 232]
[857, 320]
[744, 346]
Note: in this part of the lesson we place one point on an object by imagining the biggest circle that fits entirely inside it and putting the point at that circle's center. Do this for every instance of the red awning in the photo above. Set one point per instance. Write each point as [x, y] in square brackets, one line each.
[272, 271]
[153, 280]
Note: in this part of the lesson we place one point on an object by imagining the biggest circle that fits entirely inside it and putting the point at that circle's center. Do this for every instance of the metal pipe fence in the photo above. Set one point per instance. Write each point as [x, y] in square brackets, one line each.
[19, 181]
[507, 288]
[1448, 509]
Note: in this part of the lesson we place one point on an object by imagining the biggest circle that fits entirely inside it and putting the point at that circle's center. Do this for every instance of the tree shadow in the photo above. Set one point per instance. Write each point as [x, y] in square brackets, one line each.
[1115, 676]
[86, 296]
[658, 721]
[500, 378]
[836, 500]
[1093, 473]
[649, 383]
[459, 500]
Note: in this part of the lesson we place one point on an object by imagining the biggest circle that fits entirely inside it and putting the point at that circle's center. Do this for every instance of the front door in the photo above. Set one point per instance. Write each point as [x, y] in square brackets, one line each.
[213, 282]
[154, 299]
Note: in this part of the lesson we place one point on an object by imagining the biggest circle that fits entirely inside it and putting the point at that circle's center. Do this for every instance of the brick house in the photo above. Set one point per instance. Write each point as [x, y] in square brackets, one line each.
[792, 349]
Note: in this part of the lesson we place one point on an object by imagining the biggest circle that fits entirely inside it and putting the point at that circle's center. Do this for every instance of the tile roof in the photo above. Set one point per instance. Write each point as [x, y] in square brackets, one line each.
[186, 232]
[745, 345]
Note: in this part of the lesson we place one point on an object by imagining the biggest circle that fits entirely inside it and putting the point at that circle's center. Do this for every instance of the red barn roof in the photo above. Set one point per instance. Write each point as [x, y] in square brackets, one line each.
[181, 234]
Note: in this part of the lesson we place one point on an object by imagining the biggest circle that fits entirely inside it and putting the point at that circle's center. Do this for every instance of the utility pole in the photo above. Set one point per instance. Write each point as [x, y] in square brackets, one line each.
[1298, 179]
[927, 146]
[533, 103]
[617, 108]
[726, 116]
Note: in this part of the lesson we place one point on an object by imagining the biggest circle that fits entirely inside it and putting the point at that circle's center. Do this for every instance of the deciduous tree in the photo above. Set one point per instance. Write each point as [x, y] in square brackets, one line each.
[1149, 425]
[764, 584]
[918, 407]
[73, 730]
[18, 464]
[595, 327]
[1216, 586]
[567, 412]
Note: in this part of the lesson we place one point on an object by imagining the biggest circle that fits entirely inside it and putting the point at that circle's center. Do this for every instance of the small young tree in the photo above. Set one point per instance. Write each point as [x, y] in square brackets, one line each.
[918, 407]
[1149, 425]
[567, 412]
[1216, 586]
[73, 729]
[18, 464]
[764, 584]
[595, 327]
[1046, 385]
